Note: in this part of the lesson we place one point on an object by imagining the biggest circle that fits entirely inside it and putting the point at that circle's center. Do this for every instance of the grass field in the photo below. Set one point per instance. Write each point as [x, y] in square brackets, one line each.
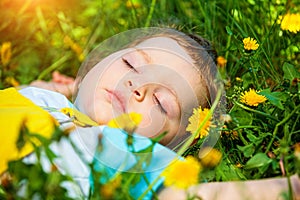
[261, 75]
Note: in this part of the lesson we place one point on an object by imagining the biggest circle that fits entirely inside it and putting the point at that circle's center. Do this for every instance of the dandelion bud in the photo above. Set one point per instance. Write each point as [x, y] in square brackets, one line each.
[209, 157]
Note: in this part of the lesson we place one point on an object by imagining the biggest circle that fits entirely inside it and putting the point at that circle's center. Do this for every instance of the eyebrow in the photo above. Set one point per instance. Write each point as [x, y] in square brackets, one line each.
[145, 55]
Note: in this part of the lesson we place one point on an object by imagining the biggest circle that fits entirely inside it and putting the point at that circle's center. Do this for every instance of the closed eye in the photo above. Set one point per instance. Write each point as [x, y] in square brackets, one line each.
[128, 64]
[161, 108]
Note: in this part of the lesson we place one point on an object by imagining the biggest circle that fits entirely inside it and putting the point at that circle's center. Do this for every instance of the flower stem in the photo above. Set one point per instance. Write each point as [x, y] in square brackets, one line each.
[54, 66]
[242, 137]
[255, 111]
[254, 73]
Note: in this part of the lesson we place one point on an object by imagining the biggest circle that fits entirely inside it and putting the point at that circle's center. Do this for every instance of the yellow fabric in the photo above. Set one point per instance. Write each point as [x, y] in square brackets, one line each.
[78, 117]
[17, 111]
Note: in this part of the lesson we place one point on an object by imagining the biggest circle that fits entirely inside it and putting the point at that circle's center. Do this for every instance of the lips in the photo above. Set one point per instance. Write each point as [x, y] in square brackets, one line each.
[117, 100]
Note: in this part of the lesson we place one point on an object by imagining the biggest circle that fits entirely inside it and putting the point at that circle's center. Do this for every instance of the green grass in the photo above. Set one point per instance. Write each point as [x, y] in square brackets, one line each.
[257, 139]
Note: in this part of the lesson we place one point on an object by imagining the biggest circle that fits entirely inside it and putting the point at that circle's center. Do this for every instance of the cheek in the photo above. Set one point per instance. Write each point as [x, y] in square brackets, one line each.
[173, 132]
[98, 109]
[112, 75]
[93, 106]
[153, 122]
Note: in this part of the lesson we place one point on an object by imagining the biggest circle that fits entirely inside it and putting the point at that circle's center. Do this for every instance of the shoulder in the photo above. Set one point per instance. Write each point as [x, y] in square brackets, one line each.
[47, 98]
[50, 101]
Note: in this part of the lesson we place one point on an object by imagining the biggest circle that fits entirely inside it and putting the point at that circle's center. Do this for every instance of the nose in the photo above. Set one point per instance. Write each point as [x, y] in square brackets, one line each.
[138, 92]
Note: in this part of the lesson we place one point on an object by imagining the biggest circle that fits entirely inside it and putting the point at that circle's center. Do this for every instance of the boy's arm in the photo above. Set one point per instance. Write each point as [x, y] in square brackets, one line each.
[273, 188]
[60, 83]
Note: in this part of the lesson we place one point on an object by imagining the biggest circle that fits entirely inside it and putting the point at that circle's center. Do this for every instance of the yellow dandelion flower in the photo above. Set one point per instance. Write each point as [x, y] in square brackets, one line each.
[182, 173]
[250, 43]
[221, 61]
[209, 157]
[196, 120]
[251, 98]
[291, 22]
[126, 121]
[5, 52]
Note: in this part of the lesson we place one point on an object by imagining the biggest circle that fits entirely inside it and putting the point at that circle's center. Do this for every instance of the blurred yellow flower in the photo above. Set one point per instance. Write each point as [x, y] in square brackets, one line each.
[79, 118]
[250, 43]
[196, 120]
[297, 151]
[221, 61]
[291, 22]
[251, 98]
[182, 173]
[238, 79]
[12, 81]
[133, 4]
[75, 47]
[126, 121]
[5, 52]
[226, 118]
[18, 113]
[209, 157]
[107, 190]
[239, 165]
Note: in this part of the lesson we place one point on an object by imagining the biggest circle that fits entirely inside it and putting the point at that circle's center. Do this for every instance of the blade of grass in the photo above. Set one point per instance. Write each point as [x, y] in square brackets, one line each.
[149, 17]
[54, 66]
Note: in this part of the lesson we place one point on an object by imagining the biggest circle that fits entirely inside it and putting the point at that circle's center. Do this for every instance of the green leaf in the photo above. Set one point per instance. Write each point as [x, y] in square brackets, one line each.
[290, 72]
[228, 30]
[241, 117]
[275, 98]
[257, 161]
[247, 150]
[254, 139]
[228, 172]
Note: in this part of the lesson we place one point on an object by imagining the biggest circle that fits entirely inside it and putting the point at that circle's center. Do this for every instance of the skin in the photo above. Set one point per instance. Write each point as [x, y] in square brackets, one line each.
[154, 78]
[59, 83]
[271, 189]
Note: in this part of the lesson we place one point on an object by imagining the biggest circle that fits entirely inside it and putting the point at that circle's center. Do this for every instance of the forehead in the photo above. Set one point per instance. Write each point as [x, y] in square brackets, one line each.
[168, 53]
[165, 44]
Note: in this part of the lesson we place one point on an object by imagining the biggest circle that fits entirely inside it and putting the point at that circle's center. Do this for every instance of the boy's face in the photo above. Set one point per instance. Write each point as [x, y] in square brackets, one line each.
[156, 78]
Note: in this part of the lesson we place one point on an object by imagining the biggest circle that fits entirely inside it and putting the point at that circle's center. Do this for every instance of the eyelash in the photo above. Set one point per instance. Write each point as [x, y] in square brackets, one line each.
[128, 64]
[161, 108]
